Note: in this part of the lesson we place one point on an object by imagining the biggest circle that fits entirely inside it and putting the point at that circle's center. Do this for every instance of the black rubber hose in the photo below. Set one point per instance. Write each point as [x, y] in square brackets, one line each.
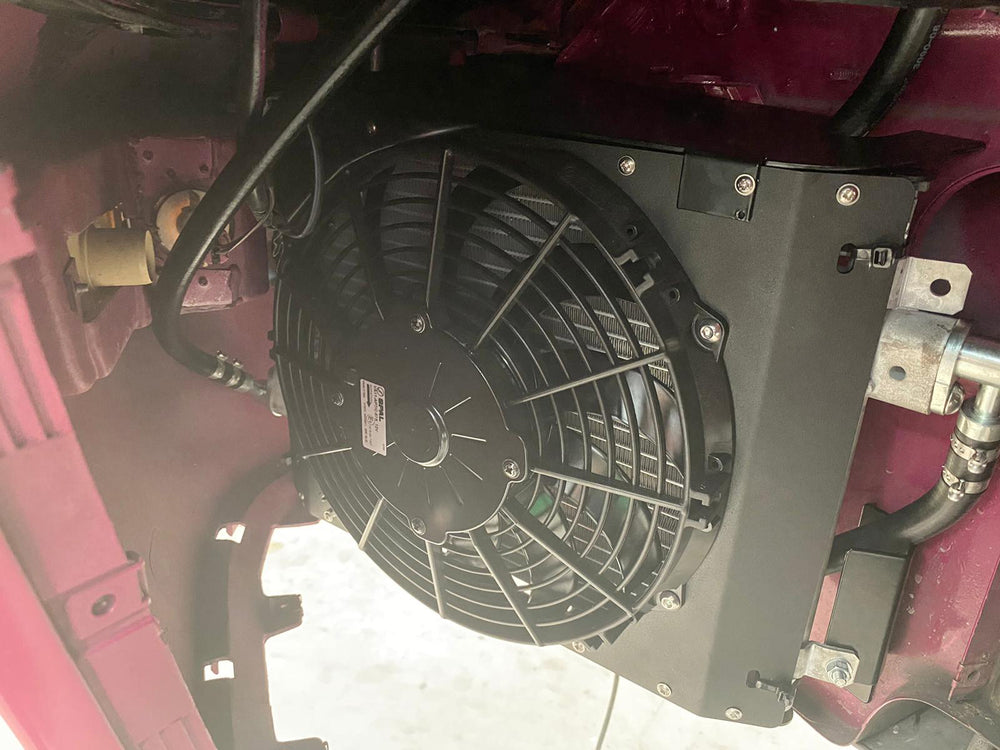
[258, 151]
[922, 519]
[901, 55]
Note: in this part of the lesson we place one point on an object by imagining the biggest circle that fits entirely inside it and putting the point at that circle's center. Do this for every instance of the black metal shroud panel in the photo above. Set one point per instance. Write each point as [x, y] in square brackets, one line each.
[800, 341]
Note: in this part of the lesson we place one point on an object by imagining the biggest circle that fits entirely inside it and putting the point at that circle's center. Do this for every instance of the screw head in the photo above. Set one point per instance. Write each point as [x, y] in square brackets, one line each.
[745, 185]
[328, 515]
[710, 331]
[579, 646]
[418, 324]
[848, 194]
[955, 398]
[626, 165]
[371, 128]
[338, 399]
[669, 600]
[664, 689]
[511, 468]
[418, 526]
[733, 713]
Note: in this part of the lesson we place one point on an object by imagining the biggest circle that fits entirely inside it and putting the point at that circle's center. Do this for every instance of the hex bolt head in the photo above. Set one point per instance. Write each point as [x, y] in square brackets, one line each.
[418, 526]
[511, 468]
[579, 646]
[626, 165]
[710, 331]
[733, 713]
[745, 185]
[848, 194]
[338, 399]
[664, 689]
[669, 600]
[418, 324]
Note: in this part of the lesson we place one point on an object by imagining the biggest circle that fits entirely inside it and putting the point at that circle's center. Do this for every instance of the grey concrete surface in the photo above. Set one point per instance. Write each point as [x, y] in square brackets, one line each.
[373, 669]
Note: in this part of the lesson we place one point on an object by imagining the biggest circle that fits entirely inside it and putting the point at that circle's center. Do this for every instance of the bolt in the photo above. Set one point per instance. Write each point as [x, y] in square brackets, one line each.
[733, 713]
[626, 165]
[838, 671]
[670, 600]
[745, 185]
[710, 331]
[664, 689]
[579, 646]
[955, 398]
[338, 399]
[328, 515]
[418, 324]
[848, 194]
[511, 468]
[418, 526]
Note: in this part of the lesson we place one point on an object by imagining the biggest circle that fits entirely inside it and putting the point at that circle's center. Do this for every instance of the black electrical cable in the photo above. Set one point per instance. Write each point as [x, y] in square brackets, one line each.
[259, 150]
[317, 191]
[607, 713]
[901, 55]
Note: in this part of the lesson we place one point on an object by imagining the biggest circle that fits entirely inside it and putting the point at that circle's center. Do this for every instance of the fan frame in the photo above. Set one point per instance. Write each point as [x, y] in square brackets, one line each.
[645, 264]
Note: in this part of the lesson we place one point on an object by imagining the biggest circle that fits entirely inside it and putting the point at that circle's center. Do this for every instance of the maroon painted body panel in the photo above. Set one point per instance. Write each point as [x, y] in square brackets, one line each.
[59, 554]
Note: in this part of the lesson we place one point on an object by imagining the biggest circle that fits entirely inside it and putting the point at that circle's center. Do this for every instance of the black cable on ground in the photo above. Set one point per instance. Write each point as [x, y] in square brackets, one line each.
[607, 713]
[256, 154]
[901, 55]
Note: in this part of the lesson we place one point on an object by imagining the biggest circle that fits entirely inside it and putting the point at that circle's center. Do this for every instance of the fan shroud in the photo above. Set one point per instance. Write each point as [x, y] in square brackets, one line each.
[440, 265]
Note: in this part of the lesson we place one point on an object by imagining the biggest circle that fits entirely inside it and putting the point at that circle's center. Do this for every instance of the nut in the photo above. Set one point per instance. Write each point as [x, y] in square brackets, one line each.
[838, 671]
[745, 185]
[733, 713]
[664, 689]
[626, 165]
[848, 194]
[511, 468]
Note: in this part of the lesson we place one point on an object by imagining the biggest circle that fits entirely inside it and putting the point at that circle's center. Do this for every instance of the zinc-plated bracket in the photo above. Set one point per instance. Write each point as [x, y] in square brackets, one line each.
[827, 663]
[930, 285]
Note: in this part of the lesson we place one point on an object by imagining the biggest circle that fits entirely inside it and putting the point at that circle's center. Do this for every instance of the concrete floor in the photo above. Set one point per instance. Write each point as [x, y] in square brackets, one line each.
[371, 668]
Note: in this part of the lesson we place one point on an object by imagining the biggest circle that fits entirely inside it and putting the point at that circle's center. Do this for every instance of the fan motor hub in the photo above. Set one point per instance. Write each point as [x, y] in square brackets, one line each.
[420, 432]
[446, 436]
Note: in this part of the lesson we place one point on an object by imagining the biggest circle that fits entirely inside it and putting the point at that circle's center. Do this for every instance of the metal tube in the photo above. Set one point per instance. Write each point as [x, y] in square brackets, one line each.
[987, 403]
[979, 360]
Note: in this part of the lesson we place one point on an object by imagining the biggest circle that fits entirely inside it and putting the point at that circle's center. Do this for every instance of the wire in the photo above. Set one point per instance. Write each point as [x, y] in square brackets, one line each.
[607, 713]
[902, 53]
[317, 191]
[261, 147]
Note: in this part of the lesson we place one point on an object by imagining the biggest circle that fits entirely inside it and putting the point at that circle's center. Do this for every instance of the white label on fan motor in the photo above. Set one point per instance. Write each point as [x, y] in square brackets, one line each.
[373, 416]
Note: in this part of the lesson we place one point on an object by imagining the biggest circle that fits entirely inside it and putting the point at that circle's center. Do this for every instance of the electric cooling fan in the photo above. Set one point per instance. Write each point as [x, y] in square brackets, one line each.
[494, 374]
